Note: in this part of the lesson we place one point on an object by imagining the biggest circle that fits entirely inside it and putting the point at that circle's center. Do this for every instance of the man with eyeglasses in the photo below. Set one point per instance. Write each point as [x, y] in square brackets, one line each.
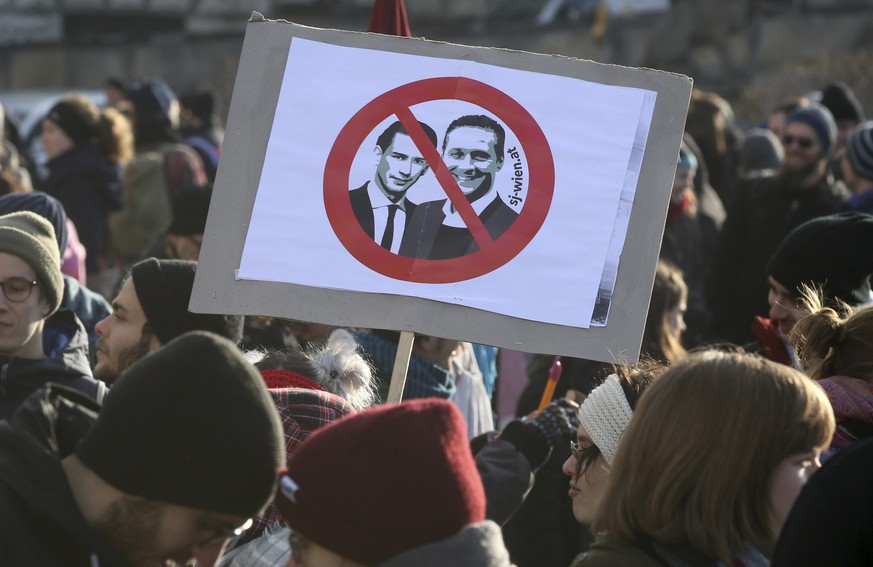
[38, 342]
[186, 450]
[763, 211]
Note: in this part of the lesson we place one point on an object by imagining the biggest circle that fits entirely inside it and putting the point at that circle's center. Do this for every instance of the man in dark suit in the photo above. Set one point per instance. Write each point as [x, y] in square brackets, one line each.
[473, 152]
[380, 205]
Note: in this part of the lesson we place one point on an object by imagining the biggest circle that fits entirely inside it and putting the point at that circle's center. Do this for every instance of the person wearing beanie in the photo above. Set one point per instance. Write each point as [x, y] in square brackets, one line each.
[857, 166]
[763, 211]
[833, 254]
[150, 310]
[311, 388]
[162, 168]
[86, 149]
[185, 235]
[155, 477]
[689, 241]
[415, 498]
[198, 124]
[38, 343]
[840, 99]
[89, 306]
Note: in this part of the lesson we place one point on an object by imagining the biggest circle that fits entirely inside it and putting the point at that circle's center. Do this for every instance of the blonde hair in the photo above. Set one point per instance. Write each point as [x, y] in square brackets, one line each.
[694, 466]
[114, 134]
[834, 342]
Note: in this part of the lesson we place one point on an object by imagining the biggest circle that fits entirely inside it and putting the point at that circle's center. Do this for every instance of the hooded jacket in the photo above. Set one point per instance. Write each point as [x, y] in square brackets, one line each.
[65, 344]
[42, 524]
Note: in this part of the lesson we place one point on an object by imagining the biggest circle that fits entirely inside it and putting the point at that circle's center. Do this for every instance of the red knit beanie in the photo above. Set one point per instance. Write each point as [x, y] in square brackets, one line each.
[375, 484]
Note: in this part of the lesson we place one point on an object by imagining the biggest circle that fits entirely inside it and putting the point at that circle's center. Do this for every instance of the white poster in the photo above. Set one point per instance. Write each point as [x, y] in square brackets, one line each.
[449, 180]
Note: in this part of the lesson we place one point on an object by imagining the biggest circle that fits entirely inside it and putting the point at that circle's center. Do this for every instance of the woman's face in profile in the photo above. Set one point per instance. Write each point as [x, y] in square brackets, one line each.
[788, 479]
[586, 486]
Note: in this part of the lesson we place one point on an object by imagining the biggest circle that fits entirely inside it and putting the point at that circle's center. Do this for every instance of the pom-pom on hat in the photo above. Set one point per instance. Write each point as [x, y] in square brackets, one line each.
[859, 150]
[375, 484]
[32, 238]
[834, 252]
[605, 414]
[820, 119]
[190, 424]
[163, 288]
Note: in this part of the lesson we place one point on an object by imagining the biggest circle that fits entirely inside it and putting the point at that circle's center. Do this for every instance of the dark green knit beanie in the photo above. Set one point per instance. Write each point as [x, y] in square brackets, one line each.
[190, 424]
[32, 238]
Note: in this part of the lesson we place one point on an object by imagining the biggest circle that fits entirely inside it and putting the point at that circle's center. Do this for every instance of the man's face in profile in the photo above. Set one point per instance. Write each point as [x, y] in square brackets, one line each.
[399, 167]
[472, 159]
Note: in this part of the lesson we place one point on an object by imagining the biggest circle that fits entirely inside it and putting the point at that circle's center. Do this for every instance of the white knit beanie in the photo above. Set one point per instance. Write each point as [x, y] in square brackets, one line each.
[605, 414]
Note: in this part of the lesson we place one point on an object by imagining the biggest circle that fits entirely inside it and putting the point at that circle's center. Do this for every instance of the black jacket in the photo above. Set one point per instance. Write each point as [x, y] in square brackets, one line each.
[65, 344]
[89, 187]
[42, 524]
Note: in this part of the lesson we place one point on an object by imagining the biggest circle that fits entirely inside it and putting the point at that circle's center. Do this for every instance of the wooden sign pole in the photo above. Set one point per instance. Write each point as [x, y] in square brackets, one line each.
[401, 366]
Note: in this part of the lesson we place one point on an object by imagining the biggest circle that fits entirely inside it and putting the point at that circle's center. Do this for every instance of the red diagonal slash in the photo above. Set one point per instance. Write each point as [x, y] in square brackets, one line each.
[445, 177]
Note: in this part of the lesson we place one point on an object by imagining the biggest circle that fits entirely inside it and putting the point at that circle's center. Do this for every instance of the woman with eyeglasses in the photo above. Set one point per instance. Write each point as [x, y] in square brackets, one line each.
[603, 417]
[708, 469]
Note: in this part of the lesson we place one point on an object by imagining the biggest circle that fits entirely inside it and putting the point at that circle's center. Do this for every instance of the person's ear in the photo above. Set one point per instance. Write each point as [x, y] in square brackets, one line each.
[377, 152]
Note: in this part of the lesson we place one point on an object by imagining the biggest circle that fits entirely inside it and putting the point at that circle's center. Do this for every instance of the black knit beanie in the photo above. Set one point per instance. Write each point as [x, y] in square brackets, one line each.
[840, 99]
[191, 424]
[190, 209]
[70, 118]
[834, 252]
[163, 288]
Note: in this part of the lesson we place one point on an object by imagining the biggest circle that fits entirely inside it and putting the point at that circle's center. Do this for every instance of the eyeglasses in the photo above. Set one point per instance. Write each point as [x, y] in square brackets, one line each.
[802, 143]
[299, 543]
[17, 289]
[222, 533]
[579, 452]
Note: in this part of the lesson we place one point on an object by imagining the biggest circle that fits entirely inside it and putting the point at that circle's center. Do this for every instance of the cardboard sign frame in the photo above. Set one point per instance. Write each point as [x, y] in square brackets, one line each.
[256, 91]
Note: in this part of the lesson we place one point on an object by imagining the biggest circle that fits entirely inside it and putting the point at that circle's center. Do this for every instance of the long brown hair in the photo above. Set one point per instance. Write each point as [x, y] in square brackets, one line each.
[114, 135]
[834, 342]
[660, 341]
[694, 466]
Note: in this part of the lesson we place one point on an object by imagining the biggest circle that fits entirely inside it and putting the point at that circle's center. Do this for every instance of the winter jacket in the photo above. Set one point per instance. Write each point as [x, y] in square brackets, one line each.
[65, 344]
[605, 552]
[42, 524]
[89, 187]
[477, 545]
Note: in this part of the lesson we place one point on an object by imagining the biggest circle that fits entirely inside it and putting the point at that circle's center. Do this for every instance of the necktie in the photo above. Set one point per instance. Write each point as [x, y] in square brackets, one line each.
[388, 236]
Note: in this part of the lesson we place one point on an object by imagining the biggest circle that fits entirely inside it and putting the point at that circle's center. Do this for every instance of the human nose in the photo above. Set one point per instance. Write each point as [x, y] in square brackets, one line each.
[569, 467]
[101, 327]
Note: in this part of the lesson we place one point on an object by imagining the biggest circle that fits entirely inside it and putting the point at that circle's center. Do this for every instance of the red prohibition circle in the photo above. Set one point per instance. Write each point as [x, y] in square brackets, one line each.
[530, 219]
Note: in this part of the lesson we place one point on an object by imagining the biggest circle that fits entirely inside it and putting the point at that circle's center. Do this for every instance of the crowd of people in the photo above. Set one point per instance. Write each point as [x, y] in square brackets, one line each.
[135, 432]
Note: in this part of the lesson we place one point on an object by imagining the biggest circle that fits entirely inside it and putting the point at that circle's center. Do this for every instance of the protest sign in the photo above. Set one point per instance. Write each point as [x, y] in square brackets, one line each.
[521, 177]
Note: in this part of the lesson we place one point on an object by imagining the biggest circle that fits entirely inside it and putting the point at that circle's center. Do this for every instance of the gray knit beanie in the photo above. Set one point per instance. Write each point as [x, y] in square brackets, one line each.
[32, 238]
[859, 149]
